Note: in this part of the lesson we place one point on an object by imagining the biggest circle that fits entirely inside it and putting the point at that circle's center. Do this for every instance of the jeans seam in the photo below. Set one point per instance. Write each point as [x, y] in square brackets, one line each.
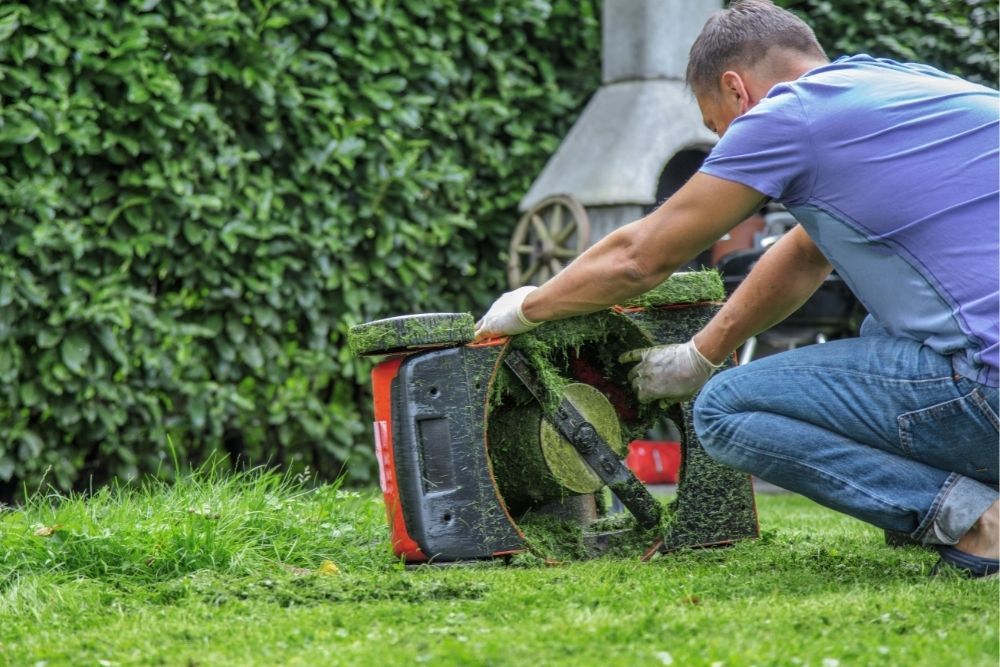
[784, 370]
[932, 513]
[905, 437]
[821, 472]
[984, 407]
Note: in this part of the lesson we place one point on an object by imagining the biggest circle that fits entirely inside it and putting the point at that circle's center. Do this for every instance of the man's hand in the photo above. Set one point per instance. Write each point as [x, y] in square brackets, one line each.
[505, 317]
[672, 372]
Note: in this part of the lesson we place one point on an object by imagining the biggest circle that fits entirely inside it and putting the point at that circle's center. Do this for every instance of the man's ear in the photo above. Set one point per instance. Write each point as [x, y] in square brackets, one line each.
[735, 93]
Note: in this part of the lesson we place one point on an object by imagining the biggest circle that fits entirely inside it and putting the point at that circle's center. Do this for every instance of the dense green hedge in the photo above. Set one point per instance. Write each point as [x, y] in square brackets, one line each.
[200, 197]
[958, 36]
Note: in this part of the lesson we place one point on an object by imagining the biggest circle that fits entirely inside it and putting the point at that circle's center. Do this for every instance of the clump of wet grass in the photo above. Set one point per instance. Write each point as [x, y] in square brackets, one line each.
[552, 538]
[410, 331]
[686, 287]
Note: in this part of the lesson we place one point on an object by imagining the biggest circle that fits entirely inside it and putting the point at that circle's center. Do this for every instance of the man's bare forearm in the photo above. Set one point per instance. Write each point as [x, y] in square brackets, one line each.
[782, 280]
[607, 273]
[640, 255]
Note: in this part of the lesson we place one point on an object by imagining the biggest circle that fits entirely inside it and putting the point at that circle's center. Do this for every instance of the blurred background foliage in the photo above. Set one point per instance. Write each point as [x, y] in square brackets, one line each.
[201, 196]
[957, 36]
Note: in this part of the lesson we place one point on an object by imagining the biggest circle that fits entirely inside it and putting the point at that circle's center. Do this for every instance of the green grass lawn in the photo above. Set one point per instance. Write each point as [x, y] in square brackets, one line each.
[229, 570]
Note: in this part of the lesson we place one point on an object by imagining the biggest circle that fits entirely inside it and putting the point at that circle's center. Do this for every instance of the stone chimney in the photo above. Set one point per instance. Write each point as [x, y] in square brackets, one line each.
[650, 39]
[642, 116]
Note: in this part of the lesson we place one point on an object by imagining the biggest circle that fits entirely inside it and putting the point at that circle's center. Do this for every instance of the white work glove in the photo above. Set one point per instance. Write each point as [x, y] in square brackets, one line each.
[671, 372]
[505, 317]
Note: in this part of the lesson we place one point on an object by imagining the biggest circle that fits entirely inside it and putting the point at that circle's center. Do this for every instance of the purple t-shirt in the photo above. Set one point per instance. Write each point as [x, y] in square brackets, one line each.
[893, 170]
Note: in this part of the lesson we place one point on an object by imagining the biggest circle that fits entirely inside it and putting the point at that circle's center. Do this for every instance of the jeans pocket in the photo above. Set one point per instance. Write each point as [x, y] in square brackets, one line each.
[957, 436]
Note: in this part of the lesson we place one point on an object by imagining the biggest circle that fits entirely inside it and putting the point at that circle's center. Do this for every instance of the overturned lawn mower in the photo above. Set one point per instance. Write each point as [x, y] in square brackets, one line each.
[512, 446]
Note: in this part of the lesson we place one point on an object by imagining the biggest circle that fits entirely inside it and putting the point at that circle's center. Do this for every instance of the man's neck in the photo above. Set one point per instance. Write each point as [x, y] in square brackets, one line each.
[778, 68]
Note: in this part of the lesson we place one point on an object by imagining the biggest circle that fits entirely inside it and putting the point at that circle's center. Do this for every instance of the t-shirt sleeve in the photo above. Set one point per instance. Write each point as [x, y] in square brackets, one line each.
[767, 149]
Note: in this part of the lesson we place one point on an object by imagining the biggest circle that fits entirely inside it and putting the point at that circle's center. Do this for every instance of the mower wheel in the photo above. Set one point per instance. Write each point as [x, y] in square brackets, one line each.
[408, 332]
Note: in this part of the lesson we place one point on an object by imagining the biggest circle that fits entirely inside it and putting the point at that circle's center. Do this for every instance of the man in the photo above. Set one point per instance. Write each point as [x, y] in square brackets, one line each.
[891, 170]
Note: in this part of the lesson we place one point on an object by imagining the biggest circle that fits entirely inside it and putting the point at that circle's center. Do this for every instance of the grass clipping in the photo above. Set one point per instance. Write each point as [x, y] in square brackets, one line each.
[409, 332]
[685, 287]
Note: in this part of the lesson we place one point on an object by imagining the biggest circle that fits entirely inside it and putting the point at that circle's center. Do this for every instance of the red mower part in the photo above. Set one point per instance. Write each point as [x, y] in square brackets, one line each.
[440, 496]
[654, 461]
[382, 377]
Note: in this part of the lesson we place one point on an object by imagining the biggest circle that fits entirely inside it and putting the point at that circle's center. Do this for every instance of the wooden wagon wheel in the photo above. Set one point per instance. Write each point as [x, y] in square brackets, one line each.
[547, 238]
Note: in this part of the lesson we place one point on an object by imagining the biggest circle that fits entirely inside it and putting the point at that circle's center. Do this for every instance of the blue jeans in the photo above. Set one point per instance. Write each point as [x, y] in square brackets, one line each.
[878, 427]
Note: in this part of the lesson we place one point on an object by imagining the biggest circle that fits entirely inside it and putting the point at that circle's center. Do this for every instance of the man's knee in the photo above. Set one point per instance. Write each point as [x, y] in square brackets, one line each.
[715, 413]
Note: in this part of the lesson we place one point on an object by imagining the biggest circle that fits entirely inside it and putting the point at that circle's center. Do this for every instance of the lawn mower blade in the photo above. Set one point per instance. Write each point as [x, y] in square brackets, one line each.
[596, 453]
